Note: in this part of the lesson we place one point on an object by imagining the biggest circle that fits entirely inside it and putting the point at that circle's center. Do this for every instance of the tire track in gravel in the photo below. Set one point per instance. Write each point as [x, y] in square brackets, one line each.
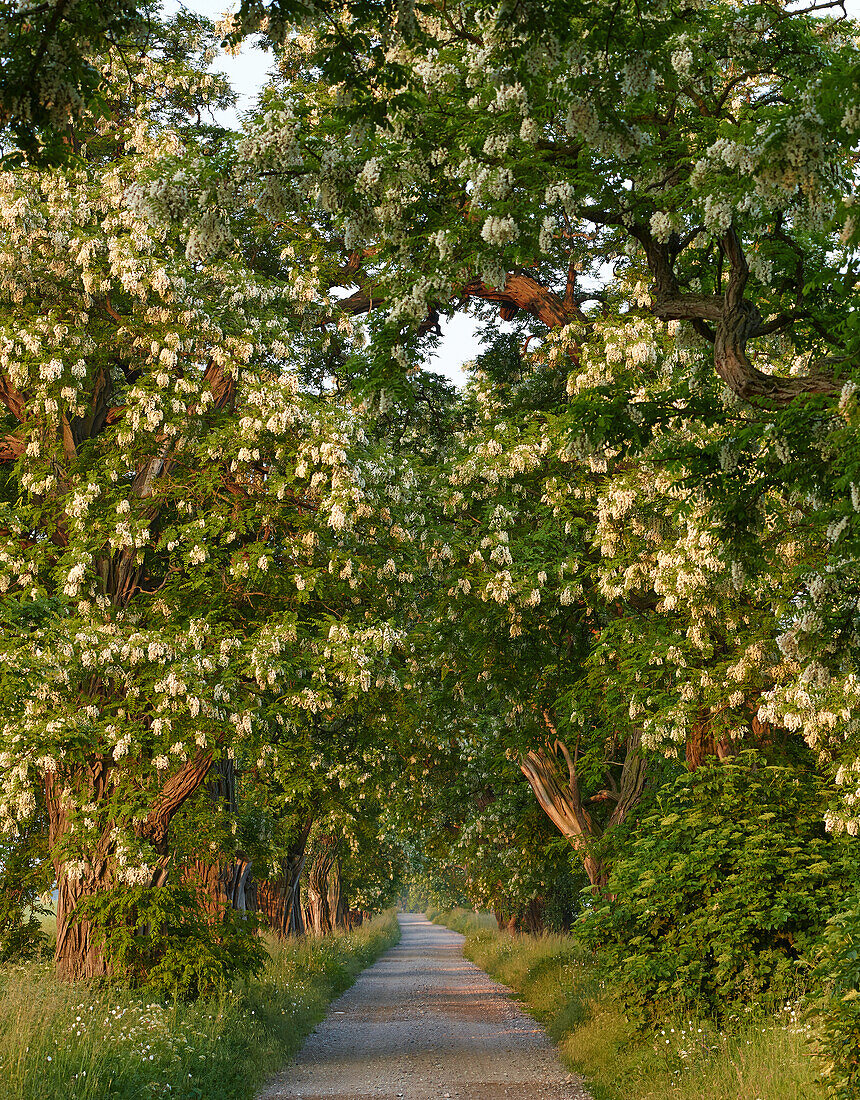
[423, 1023]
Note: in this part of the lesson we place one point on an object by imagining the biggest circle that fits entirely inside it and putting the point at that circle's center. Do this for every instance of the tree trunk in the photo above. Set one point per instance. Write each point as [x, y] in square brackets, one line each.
[279, 900]
[318, 915]
[78, 955]
[533, 916]
[221, 884]
[702, 746]
[336, 899]
[560, 799]
[236, 880]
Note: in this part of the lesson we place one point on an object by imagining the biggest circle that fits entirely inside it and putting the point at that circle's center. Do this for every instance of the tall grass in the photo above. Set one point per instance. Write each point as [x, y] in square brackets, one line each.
[688, 1059]
[93, 1043]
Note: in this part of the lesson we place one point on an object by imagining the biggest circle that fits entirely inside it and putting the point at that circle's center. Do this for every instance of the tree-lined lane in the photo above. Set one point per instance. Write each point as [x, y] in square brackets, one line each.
[425, 1024]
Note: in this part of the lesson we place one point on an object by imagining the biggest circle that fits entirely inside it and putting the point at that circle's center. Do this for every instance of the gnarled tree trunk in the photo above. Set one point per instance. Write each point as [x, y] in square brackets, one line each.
[222, 884]
[337, 906]
[318, 915]
[556, 788]
[78, 954]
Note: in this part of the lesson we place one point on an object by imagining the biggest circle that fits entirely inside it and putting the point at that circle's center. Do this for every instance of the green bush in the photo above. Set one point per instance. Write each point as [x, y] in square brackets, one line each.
[160, 938]
[722, 890]
[836, 1003]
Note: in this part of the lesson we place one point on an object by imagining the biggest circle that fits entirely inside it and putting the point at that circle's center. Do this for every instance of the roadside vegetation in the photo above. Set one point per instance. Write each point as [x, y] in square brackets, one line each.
[750, 1056]
[104, 1042]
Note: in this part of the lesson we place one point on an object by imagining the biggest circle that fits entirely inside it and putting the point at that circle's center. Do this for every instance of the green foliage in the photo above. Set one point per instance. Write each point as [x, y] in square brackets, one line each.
[722, 890]
[25, 875]
[563, 903]
[48, 75]
[160, 938]
[836, 1005]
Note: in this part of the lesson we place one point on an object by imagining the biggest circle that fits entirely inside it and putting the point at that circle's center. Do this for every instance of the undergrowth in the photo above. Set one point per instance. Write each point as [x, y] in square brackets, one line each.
[684, 1059]
[90, 1042]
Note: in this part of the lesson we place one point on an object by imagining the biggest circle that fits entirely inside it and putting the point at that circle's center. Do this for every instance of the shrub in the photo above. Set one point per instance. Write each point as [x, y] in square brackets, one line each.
[160, 938]
[723, 889]
[25, 874]
[836, 1004]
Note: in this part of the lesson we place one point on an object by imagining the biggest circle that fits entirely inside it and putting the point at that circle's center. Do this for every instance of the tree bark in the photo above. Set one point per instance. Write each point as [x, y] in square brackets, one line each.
[279, 899]
[318, 916]
[533, 916]
[222, 883]
[523, 292]
[336, 898]
[78, 954]
[559, 797]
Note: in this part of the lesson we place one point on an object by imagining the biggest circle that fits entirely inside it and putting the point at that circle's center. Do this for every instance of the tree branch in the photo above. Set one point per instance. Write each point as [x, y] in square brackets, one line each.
[175, 792]
[12, 399]
[11, 448]
[524, 292]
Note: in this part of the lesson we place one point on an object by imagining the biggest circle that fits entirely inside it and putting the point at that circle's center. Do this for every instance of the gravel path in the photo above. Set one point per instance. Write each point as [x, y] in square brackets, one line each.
[424, 1024]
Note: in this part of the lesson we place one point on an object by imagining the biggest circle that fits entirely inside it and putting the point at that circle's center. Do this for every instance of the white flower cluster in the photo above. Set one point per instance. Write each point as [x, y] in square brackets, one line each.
[500, 231]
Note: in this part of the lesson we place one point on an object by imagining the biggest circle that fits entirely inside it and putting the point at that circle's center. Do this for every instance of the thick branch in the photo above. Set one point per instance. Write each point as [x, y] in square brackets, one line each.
[633, 776]
[175, 792]
[560, 801]
[523, 292]
[736, 321]
[360, 302]
[223, 386]
[11, 448]
[11, 398]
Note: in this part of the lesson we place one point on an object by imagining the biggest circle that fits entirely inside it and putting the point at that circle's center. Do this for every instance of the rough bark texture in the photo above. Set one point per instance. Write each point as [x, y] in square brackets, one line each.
[527, 918]
[551, 773]
[523, 292]
[77, 954]
[337, 907]
[222, 884]
[319, 917]
[279, 899]
[735, 319]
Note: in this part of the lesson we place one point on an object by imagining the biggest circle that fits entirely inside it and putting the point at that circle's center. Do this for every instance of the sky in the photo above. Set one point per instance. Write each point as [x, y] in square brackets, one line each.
[247, 73]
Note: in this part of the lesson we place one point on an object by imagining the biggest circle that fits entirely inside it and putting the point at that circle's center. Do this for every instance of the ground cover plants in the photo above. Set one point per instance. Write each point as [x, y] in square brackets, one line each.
[93, 1042]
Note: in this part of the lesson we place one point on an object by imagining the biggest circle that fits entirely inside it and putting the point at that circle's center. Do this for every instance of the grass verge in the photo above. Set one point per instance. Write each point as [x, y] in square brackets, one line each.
[89, 1043]
[766, 1059]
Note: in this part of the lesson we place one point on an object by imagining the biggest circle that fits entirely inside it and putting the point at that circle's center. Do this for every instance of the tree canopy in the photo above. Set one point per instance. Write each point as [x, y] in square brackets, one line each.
[285, 617]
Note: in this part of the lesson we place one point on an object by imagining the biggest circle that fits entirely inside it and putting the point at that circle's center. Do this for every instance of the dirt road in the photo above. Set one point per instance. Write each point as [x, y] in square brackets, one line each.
[424, 1024]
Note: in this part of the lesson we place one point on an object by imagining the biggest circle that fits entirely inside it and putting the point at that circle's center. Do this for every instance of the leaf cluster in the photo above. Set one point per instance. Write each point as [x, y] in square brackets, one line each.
[723, 890]
[161, 938]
